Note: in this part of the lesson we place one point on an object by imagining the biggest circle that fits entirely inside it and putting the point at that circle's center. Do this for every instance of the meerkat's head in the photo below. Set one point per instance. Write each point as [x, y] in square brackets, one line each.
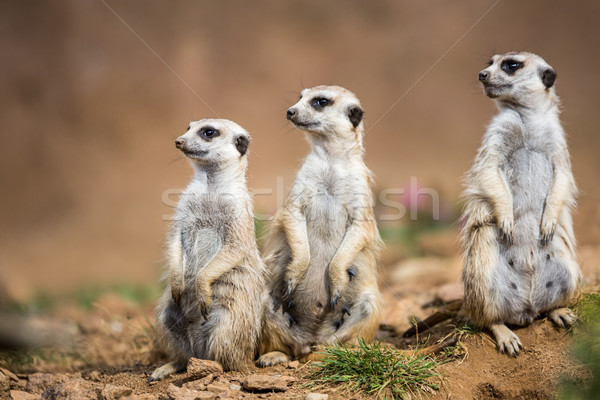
[214, 142]
[328, 112]
[518, 77]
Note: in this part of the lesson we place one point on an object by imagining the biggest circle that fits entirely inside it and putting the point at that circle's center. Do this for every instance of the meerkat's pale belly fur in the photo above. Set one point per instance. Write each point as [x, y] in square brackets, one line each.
[230, 334]
[513, 283]
[328, 190]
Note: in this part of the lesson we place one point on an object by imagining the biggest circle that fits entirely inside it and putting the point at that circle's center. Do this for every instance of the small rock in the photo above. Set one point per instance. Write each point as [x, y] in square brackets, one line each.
[94, 376]
[12, 376]
[4, 383]
[266, 383]
[39, 382]
[200, 368]
[316, 396]
[74, 389]
[234, 386]
[294, 364]
[180, 393]
[208, 379]
[20, 395]
[217, 388]
[145, 396]
[18, 385]
[194, 385]
[113, 392]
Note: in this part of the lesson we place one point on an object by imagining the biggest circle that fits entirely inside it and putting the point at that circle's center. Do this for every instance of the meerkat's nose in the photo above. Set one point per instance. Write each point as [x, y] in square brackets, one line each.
[179, 143]
[483, 76]
[291, 113]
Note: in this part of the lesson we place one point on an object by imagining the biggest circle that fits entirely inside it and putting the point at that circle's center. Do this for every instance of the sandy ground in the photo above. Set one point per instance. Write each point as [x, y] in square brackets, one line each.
[112, 344]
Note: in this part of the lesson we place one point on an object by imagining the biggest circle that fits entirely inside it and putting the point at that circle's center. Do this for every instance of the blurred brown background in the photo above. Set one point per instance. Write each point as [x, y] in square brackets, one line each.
[89, 112]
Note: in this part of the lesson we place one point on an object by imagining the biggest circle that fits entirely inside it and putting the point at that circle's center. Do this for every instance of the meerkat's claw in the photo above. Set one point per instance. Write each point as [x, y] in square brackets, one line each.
[346, 310]
[162, 372]
[203, 296]
[562, 317]
[547, 232]
[338, 324]
[272, 358]
[334, 300]
[176, 295]
[291, 320]
[203, 306]
[351, 273]
[506, 340]
[505, 225]
[289, 289]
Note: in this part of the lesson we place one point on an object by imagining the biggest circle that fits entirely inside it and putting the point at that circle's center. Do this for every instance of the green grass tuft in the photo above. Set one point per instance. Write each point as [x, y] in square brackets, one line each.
[466, 330]
[375, 370]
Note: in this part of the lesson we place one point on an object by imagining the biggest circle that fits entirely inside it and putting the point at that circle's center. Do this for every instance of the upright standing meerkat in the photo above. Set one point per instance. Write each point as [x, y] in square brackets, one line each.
[213, 306]
[323, 247]
[519, 246]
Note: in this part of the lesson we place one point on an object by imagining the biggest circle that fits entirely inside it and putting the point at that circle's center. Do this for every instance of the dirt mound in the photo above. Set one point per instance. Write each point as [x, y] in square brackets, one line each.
[110, 350]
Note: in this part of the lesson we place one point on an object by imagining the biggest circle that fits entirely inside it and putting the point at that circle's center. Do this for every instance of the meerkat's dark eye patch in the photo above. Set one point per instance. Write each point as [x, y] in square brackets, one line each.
[241, 144]
[511, 66]
[318, 103]
[355, 115]
[208, 133]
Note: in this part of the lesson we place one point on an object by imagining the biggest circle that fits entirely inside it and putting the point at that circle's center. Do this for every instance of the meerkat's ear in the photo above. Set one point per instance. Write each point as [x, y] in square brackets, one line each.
[241, 144]
[548, 77]
[355, 115]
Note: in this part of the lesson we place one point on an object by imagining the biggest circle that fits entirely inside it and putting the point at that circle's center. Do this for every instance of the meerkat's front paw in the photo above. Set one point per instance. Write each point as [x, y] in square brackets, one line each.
[506, 340]
[505, 225]
[164, 371]
[177, 288]
[337, 284]
[562, 317]
[547, 229]
[272, 358]
[294, 274]
[176, 293]
[204, 297]
[291, 282]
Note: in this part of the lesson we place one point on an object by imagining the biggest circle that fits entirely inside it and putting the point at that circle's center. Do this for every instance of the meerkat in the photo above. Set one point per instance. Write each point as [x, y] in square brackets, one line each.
[519, 246]
[323, 246]
[212, 306]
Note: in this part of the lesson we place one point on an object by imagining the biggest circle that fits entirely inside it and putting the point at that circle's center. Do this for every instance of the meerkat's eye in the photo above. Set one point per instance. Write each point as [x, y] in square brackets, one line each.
[320, 102]
[208, 133]
[510, 66]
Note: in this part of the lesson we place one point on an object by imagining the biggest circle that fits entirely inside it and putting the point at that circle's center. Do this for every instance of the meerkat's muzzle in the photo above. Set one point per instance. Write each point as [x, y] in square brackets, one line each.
[291, 114]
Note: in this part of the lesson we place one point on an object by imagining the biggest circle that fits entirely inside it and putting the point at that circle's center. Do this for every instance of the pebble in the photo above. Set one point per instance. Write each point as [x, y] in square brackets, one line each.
[113, 392]
[197, 368]
[267, 383]
[316, 396]
[20, 395]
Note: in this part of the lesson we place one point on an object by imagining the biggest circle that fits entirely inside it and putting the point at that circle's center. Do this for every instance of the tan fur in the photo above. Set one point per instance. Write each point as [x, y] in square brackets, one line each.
[519, 246]
[323, 246]
[213, 306]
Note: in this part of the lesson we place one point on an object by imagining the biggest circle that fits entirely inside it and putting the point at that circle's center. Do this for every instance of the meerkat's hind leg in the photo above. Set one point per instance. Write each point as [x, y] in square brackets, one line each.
[164, 371]
[272, 358]
[562, 317]
[507, 341]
